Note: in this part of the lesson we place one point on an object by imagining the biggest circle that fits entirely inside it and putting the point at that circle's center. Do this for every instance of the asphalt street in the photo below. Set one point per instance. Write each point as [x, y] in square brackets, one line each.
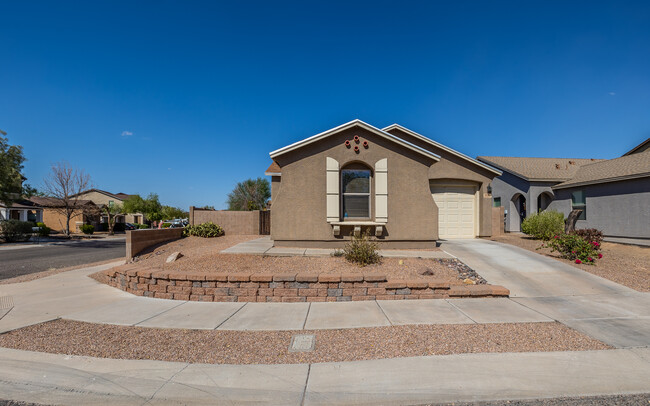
[28, 259]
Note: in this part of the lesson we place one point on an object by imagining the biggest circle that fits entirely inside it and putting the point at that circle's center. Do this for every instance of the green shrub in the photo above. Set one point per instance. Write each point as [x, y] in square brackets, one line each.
[87, 229]
[361, 251]
[16, 230]
[575, 247]
[142, 226]
[544, 225]
[44, 230]
[205, 230]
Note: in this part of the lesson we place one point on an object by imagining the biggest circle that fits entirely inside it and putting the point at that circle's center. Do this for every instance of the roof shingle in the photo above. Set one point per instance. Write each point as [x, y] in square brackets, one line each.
[626, 167]
[538, 169]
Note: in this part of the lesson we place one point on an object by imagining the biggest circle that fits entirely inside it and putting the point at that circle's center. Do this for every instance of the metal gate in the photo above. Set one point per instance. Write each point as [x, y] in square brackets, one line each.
[265, 222]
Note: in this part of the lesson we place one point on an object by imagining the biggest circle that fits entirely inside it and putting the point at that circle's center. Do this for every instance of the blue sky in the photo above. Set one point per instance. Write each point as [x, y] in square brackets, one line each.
[186, 98]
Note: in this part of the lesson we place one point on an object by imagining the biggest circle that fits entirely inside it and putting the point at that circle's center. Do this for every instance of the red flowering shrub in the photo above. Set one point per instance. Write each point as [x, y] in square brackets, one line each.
[574, 247]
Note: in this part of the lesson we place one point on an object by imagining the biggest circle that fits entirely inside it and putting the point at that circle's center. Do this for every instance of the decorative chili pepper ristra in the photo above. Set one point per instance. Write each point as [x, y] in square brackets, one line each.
[356, 149]
[347, 143]
[365, 144]
[356, 139]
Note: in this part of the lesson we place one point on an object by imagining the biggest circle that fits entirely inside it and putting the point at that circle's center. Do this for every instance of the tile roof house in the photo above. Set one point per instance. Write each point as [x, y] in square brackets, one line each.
[86, 212]
[403, 188]
[526, 185]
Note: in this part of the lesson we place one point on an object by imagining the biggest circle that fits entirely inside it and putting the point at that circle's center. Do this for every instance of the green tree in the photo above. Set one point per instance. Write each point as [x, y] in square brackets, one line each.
[251, 194]
[170, 212]
[150, 207]
[11, 166]
[112, 210]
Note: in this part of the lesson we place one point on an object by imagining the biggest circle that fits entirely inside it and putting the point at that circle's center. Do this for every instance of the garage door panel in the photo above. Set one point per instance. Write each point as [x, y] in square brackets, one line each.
[456, 214]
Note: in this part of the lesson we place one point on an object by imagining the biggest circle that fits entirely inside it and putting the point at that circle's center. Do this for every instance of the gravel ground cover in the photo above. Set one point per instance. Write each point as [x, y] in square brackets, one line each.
[271, 347]
[201, 255]
[619, 400]
[628, 265]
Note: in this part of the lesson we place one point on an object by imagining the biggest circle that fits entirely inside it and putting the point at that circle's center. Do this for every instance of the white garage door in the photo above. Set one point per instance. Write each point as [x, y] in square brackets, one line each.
[456, 214]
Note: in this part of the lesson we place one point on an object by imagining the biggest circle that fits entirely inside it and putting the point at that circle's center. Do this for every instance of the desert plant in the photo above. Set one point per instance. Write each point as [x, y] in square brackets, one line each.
[44, 230]
[87, 229]
[16, 230]
[338, 253]
[361, 250]
[575, 248]
[544, 225]
[205, 230]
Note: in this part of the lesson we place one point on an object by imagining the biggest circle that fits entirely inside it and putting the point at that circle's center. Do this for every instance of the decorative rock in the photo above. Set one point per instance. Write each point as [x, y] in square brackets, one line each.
[468, 281]
[173, 257]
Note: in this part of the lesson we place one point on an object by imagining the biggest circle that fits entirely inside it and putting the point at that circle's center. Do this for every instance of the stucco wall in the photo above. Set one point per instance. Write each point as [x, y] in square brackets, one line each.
[619, 209]
[452, 167]
[232, 222]
[139, 240]
[508, 187]
[57, 221]
[497, 221]
[299, 206]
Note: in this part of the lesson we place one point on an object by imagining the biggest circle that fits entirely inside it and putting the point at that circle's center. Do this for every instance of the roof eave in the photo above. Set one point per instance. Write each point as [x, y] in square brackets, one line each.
[350, 124]
[566, 185]
[445, 148]
[273, 173]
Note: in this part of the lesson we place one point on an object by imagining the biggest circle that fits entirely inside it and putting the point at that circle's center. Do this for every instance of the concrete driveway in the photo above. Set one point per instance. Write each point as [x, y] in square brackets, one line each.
[605, 310]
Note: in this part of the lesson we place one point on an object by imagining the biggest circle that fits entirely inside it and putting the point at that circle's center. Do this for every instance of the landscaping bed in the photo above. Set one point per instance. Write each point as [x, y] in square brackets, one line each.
[203, 274]
[271, 347]
[624, 264]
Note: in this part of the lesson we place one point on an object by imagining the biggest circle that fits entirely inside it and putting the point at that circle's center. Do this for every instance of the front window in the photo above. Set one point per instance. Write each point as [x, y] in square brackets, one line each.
[496, 202]
[355, 196]
[579, 202]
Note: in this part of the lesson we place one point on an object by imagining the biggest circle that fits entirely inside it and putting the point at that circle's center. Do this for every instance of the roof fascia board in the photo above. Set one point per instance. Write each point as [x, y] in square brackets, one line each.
[638, 147]
[346, 126]
[273, 173]
[443, 147]
[604, 180]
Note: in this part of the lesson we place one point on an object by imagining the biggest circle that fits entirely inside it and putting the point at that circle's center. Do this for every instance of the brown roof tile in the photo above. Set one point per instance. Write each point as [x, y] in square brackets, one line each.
[626, 167]
[550, 169]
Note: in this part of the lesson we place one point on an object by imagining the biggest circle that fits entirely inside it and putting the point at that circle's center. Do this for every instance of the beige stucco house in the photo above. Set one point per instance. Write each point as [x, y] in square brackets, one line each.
[403, 188]
[103, 198]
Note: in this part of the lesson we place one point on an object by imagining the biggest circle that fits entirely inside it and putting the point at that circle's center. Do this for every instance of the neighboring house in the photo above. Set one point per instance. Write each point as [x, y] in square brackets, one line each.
[103, 198]
[614, 195]
[526, 185]
[86, 212]
[23, 210]
[401, 187]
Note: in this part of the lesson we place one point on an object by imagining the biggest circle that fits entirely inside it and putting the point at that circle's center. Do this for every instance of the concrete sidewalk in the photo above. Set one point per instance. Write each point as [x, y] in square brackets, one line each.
[73, 380]
[602, 309]
[264, 246]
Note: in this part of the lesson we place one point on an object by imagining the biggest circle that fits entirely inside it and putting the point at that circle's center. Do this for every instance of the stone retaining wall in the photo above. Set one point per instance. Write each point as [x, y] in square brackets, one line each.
[292, 287]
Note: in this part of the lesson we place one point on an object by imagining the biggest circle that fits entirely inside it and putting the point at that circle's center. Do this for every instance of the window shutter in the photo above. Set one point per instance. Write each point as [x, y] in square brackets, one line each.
[381, 191]
[332, 190]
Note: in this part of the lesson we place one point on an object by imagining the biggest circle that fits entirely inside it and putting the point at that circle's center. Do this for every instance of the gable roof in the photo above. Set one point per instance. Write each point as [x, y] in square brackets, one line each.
[118, 196]
[348, 125]
[443, 147]
[538, 169]
[55, 202]
[273, 169]
[644, 146]
[623, 168]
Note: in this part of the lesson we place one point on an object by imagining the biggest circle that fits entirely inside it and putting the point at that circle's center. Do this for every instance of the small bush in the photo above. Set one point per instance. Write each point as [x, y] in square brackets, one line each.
[590, 235]
[44, 230]
[16, 230]
[544, 225]
[575, 248]
[338, 253]
[87, 229]
[143, 226]
[205, 230]
[361, 251]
